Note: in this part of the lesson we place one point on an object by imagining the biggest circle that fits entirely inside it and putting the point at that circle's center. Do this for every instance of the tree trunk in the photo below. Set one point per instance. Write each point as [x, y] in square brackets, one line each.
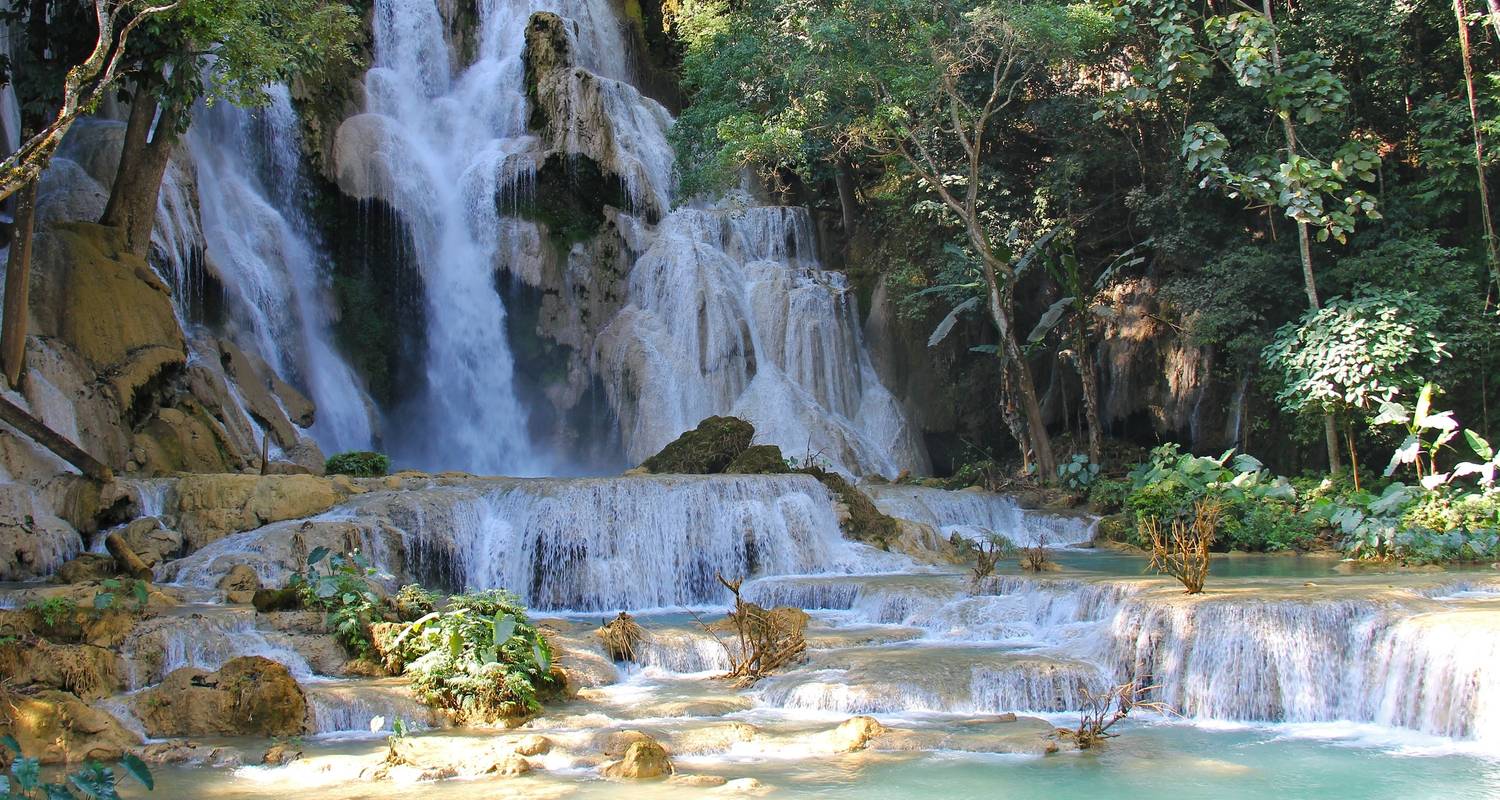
[1495, 17]
[143, 163]
[1304, 245]
[1090, 381]
[18, 289]
[18, 418]
[843, 178]
[1491, 247]
[1036, 427]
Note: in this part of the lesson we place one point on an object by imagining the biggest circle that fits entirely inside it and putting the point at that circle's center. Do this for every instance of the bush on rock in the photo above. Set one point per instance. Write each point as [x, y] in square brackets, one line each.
[358, 464]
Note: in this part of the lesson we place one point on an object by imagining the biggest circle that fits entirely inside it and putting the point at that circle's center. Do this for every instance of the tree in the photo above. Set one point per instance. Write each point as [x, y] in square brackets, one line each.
[211, 50]
[1355, 354]
[84, 84]
[1300, 87]
[1491, 246]
[922, 87]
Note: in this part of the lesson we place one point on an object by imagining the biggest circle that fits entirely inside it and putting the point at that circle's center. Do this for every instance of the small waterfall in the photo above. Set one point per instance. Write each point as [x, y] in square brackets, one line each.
[204, 641]
[973, 514]
[596, 544]
[346, 707]
[250, 194]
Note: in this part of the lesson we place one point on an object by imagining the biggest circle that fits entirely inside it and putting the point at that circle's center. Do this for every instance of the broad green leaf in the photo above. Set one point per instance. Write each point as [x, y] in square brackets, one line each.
[1049, 320]
[138, 770]
[103, 600]
[1479, 445]
[946, 326]
[318, 554]
[542, 661]
[10, 742]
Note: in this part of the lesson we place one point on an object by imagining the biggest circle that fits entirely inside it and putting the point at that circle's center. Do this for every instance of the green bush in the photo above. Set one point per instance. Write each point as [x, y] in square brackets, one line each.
[358, 463]
[1107, 495]
[342, 591]
[1266, 525]
[480, 657]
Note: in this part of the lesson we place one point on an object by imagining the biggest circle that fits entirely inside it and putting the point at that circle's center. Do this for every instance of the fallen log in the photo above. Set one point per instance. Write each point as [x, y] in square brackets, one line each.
[18, 418]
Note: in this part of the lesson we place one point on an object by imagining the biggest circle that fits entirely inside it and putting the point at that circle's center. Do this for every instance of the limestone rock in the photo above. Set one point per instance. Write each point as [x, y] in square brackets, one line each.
[113, 310]
[185, 438]
[534, 745]
[87, 671]
[613, 744]
[85, 567]
[760, 459]
[698, 781]
[511, 766]
[248, 696]
[59, 728]
[255, 388]
[153, 542]
[240, 579]
[280, 754]
[214, 506]
[644, 759]
[190, 753]
[853, 734]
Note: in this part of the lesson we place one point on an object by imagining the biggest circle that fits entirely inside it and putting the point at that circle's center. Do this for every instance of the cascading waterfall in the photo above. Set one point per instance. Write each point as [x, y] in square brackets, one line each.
[726, 309]
[249, 190]
[973, 515]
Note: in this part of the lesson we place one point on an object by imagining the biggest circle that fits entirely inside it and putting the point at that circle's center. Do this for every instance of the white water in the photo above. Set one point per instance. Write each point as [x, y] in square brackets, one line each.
[975, 515]
[249, 196]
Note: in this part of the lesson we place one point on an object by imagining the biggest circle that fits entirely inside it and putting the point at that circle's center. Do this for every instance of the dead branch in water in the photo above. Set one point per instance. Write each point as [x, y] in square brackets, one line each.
[1102, 710]
[765, 641]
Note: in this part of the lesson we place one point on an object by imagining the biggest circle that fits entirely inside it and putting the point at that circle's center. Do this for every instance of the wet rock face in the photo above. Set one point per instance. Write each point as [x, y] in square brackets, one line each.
[33, 540]
[249, 696]
[87, 671]
[211, 507]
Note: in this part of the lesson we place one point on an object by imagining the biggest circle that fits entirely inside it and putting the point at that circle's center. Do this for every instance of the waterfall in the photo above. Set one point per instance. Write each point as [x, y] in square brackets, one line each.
[726, 309]
[250, 198]
[974, 514]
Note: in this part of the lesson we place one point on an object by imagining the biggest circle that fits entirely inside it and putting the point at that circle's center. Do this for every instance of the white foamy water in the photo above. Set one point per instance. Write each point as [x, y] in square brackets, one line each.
[975, 514]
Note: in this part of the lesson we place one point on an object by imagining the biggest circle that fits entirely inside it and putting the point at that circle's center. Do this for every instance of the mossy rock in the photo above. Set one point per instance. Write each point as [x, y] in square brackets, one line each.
[866, 523]
[705, 450]
[284, 599]
[761, 459]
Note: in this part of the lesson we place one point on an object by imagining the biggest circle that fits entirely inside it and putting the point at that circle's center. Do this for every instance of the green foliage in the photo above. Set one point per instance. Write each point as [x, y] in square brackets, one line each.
[358, 463]
[137, 592]
[412, 601]
[92, 781]
[1077, 473]
[1107, 495]
[1167, 488]
[480, 656]
[340, 586]
[1260, 524]
[1354, 353]
[53, 610]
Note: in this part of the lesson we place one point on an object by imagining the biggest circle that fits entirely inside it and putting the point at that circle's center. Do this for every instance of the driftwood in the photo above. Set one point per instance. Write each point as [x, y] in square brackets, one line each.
[126, 561]
[17, 417]
[765, 640]
[1102, 710]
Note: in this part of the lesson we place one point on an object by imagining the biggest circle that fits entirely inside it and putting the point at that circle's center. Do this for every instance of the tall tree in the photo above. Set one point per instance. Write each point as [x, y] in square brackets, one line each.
[211, 51]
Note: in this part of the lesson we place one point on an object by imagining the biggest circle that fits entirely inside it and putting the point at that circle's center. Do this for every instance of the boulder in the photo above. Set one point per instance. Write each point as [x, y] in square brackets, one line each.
[280, 754]
[704, 450]
[248, 696]
[533, 745]
[86, 567]
[240, 578]
[852, 734]
[152, 541]
[59, 728]
[185, 438]
[511, 766]
[613, 744]
[643, 759]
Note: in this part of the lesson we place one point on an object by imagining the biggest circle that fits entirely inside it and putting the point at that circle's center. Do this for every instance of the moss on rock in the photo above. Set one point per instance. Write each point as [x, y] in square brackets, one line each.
[865, 522]
[760, 459]
[705, 450]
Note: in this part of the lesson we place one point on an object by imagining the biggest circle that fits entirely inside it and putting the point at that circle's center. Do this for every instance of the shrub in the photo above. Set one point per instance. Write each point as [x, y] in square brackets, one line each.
[1078, 472]
[53, 611]
[1180, 548]
[343, 591]
[1266, 525]
[359, 464]
[479, 657]
[1107, 495]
